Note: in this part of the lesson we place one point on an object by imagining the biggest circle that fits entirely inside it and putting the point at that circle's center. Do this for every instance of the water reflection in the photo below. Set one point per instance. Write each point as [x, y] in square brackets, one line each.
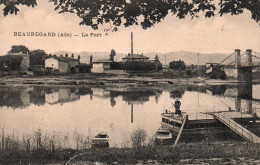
[22, 97]
[117, 111]
[242, 95]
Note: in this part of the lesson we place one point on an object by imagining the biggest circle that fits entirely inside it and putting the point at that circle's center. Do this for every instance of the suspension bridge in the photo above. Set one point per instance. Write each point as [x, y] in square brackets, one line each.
[239, 64]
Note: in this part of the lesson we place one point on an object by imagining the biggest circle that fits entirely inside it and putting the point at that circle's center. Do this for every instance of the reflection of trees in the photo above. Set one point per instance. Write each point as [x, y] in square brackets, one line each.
[37, 96]
[218, 89]
[177, 93]
[10, 98]
[141, 96]
[85, 91]
[112, 101]
[201, 89]
[138, 95]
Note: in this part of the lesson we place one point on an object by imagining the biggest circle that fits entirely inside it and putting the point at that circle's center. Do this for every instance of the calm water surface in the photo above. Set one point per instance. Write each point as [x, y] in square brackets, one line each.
[66, 111]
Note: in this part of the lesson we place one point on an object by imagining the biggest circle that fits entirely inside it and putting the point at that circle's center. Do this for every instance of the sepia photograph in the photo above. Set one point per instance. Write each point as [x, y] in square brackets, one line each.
[96, 82]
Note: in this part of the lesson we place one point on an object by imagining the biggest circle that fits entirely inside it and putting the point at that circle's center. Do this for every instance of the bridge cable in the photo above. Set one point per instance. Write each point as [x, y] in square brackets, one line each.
[255, 56]
[256, 52]
[226, 58]
[231, 63]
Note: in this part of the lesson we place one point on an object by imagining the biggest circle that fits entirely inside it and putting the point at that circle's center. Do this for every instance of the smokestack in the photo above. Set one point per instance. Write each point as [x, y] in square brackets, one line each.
[132, 44]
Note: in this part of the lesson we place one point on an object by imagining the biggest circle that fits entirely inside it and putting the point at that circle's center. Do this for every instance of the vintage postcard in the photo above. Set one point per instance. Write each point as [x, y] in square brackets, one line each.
[129, 82]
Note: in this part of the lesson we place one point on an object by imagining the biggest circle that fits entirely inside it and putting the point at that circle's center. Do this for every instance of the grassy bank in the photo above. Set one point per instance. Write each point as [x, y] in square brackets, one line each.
[163, 154]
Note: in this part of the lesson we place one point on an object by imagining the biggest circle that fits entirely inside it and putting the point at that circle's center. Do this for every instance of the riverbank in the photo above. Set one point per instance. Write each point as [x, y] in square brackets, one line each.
[92, 80]
[107, 80]
[192, 153]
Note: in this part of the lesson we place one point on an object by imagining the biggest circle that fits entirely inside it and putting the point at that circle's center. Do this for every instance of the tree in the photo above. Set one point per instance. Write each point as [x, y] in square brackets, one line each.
[143, 66]
[90, 59]
[10, 63]
[19, 48]
[217, 73]
[140, 12]
[158, 65]
[37, 57]
[112, 55]
[177, 65]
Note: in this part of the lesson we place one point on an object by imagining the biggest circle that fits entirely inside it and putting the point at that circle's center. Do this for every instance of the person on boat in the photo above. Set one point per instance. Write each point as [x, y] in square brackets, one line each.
[177, 106]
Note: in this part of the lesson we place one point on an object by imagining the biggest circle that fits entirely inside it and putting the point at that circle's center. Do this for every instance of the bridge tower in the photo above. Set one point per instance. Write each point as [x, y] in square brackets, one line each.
[237, 58]
[244, 68]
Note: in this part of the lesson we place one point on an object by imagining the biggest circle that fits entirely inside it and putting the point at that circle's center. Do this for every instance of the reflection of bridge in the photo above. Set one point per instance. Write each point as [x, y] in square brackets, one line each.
[239, 64]
[244, 101]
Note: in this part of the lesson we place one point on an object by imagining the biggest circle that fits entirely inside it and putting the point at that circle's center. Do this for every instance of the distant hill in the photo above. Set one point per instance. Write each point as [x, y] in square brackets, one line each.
[188, 57]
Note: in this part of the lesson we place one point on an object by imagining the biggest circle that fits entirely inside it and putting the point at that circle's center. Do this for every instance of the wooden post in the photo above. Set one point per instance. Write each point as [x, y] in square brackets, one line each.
[180, 131]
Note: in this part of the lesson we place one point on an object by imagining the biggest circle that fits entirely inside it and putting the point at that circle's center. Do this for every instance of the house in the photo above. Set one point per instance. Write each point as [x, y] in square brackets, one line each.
[135, 57]
[211, 66]
[100, 66]
[62, 64]
[208, 65]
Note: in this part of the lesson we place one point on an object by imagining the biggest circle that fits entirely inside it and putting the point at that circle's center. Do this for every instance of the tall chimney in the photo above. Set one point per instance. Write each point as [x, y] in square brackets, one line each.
[132, 44]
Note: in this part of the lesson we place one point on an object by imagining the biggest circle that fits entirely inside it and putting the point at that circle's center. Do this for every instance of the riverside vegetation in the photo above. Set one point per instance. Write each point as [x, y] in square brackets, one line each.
[43, 148]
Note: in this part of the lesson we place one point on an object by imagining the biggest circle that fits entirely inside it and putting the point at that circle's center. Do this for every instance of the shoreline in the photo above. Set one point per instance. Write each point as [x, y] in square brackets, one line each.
[108, 80]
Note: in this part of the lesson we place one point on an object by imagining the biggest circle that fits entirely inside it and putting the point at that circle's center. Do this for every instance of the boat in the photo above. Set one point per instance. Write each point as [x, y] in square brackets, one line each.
[246, 125]
[163, 137]
[101, 140]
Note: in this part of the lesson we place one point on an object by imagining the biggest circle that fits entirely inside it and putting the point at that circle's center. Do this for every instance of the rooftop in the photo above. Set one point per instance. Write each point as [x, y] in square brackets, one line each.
[136, 56]
[64, 59]
[102, 61]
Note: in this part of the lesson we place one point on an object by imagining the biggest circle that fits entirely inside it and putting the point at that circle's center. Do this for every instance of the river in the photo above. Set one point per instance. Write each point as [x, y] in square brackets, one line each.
[75, 114]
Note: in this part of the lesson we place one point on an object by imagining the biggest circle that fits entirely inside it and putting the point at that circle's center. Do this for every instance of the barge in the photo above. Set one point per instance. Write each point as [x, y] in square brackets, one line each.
[187, 124]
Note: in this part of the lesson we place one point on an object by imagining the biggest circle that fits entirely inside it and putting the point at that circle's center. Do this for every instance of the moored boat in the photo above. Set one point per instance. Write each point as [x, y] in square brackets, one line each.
[163, 137]
[101, 140]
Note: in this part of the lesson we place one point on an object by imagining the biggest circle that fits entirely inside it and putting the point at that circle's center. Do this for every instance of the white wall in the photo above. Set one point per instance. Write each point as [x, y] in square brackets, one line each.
[63, 67]
[97, 68]
[52, 63]
[25, 64]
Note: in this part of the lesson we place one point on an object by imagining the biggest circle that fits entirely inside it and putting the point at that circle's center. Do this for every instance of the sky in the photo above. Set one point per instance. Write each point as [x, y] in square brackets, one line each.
[204, 35]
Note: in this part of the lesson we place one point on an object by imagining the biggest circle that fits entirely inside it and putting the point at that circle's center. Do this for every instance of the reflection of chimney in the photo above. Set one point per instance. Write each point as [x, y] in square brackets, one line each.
[132, 44]
[132, 113]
